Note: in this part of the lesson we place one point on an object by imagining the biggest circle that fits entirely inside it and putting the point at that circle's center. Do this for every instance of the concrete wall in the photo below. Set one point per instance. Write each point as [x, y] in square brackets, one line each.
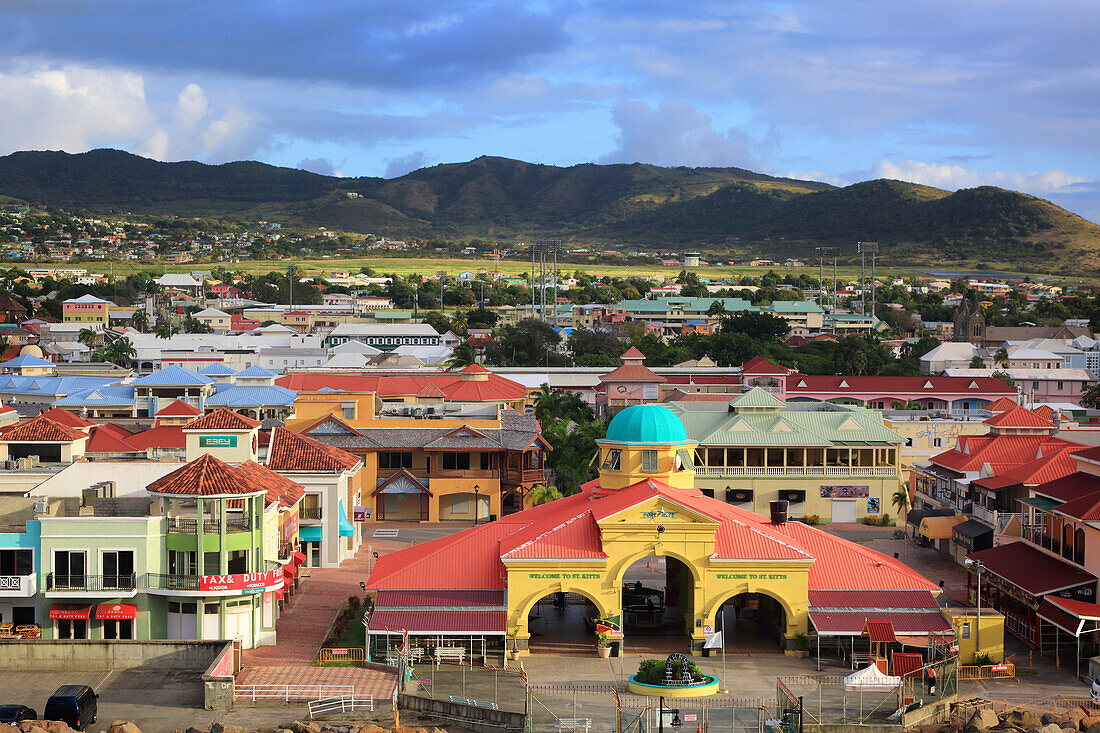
[492, 720]
[97, 654]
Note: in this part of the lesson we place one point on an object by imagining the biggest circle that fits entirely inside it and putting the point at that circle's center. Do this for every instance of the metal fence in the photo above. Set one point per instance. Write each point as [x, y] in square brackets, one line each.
[289, 693]
[338, 655]
[823, 700]
[341, 704]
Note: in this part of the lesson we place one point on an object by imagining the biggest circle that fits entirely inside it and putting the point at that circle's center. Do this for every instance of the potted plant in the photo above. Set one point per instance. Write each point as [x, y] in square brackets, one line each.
[803, 643]
[514, 654]
[603, 644]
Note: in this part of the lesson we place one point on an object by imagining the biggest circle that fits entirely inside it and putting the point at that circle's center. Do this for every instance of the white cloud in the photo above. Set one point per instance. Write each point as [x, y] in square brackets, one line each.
[79, 108]
[953, 177]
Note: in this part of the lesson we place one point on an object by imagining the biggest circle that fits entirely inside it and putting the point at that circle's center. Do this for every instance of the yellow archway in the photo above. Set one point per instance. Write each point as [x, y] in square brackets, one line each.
[657, 551]
[536, 596]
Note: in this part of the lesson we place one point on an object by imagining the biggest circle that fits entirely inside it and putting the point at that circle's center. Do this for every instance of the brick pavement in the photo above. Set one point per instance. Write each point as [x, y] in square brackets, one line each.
[374, 682]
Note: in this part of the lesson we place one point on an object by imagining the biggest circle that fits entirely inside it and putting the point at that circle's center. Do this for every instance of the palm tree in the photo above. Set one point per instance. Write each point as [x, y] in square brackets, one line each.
[542, 495]
[5, 344]
[88, 337]
[121, 351]
[163, 330]
[1001, 356]
[1090, 398]
[462, 356]
[900, 499]
[140, 320]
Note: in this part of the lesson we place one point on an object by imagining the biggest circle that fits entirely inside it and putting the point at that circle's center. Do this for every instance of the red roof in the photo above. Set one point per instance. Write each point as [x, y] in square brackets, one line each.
[430, 390]
[40, 430]
[910, 387]
[278, 488]
[65, 417]
[1019, 417]
[179, 408]
[1056, 461]
[205, 476]
[495, 388]
[879, 631]
[1031, 569]
[162, 436]
[904, 624]
[882, 600]
[1002, 452]
[292, 451]
[632, 373]
[1001, 405]
[222, 419]
[1070, 487]
[106, 440]
[439, 599]
[438, 621]
[762, 365]
[632, 353]
[1044, 411]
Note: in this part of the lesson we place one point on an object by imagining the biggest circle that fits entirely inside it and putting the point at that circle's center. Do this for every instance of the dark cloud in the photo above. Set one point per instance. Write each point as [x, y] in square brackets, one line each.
[323, 166]
[397, 167]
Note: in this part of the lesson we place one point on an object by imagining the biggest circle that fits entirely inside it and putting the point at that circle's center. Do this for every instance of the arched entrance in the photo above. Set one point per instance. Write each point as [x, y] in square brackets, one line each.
[563, 623]
[658, 605]
[753, 623]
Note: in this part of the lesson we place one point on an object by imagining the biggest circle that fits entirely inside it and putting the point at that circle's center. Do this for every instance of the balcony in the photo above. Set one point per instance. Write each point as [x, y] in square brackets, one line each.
[525, 476]
[470, 473]
[309, 512]
[111, 585]
[190, 525]
[18, 586]
[795, 471]
[165, 581]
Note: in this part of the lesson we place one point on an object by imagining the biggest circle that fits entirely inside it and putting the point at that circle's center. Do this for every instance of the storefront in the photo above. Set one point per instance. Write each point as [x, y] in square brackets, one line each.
[644, 508]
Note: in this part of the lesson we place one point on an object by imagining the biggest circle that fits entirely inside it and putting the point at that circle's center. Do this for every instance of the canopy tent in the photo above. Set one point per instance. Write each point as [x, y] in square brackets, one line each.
[939, 528]
[871, 678]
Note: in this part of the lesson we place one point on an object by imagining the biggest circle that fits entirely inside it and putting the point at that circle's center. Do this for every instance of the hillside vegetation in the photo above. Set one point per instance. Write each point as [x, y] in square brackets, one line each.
[637, 205]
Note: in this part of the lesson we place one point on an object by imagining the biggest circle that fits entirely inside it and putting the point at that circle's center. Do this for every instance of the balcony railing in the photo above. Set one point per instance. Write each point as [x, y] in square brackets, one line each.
[22, 586]
[309, 512]
[190, 525]
[90, 583]
[524, 476]
[166, 581]
[795, 471]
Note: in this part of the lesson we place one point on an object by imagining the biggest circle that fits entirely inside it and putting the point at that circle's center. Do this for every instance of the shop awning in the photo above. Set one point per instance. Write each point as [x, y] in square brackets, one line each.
[1030, 569]
[939, 528]
[916, 516]
[879, 631]
[116, 611]
[972, 528]
[346, 530]
[1068, 614]
[289, 571]
[439, 622]
[278, 594]
[70, 611]
[298, 558]
[909, 628]
[310, 533]
[1041, 502]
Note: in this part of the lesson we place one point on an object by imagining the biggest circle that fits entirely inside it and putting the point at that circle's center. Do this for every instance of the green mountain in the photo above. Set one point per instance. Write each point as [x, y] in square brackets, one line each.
[635, 204]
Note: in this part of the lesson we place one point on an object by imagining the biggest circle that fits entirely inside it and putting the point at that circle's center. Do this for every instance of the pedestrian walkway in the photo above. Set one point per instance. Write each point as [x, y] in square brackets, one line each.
[375, 682]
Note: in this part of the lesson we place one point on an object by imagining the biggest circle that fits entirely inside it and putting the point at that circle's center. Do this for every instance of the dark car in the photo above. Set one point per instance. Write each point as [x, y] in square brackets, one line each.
[77, 705]
[16, 713]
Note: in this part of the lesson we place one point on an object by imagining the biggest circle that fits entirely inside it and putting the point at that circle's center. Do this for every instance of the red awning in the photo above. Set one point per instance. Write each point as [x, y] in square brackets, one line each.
[289, 570]
[436, 622]
[116, 611]
[905, 624]
[70, 611]
[299, 558]
[880, 631]
[278, 593]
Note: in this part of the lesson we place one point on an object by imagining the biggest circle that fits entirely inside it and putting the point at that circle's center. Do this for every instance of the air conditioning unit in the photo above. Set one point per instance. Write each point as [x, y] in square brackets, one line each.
[41, 506]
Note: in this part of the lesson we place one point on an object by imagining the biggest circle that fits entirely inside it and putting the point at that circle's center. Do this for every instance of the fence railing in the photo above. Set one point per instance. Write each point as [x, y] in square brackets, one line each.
[341, 654]
[1054, 704]
[987, 672]
[309, 512]
[341, 704]
[288, 693]
[91, 583]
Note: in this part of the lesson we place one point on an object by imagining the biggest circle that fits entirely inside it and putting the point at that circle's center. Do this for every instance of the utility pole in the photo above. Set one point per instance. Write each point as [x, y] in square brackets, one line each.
[290, 279]
[538, 252]
[442, 276]
[822, 254]
[864, 248]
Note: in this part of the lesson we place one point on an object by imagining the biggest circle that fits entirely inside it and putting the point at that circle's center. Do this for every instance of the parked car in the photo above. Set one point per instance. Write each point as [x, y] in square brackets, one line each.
[77, 705]
[1094, 693]
[16, 713]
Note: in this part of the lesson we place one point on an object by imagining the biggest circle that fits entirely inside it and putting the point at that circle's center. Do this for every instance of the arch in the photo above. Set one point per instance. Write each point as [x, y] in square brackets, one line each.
[629, 560]
[710, 612]
[524, 609]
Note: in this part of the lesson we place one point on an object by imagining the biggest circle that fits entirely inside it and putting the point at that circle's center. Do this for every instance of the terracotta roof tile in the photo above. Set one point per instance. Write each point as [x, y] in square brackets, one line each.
[179, 408]
[41, 430]
[291, 451]
[1002, 404]
[1019, 417]
[105, 440]
[65, 417]
[453, 386]
[222, 419]
[205, 476]
[278, 488]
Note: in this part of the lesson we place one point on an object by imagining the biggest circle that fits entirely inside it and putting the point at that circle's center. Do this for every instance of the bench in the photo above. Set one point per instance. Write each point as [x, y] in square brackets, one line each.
[449, 654]
[574, 725]
[473, 703]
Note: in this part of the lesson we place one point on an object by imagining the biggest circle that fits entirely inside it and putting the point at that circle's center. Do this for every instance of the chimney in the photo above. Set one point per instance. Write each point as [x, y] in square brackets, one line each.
[778, 509]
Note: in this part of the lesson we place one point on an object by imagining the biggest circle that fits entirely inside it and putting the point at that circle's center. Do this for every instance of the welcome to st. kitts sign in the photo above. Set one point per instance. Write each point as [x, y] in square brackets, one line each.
[244, 582]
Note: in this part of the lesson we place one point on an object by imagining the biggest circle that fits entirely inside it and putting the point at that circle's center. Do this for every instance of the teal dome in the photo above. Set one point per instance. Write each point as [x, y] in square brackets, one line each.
[646, 424]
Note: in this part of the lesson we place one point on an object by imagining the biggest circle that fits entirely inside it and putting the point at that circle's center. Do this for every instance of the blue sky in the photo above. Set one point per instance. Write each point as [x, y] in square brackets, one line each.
[945, 92]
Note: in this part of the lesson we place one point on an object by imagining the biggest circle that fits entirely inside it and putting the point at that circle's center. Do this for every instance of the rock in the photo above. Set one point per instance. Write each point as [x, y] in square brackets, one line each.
[982, 720]
[1070, 730]
[1093, 726]
[194, 730]
[1048, 728]
[1052, 719]
[305, 727]
[929, 729]
[123, 726]
[55, 726]
[221, 728]
[1024, 719]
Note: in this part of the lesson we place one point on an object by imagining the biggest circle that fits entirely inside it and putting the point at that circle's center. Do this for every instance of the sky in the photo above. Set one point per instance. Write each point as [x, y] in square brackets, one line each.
[948, 93]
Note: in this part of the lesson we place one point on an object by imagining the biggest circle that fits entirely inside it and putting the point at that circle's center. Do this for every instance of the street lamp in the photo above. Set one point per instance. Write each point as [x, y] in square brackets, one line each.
[477, 503]
[978, 567]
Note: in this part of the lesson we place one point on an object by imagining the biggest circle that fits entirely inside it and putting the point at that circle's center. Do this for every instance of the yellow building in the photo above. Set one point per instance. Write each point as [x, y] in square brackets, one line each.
[927, 436]
[718, 566]
[991, 635]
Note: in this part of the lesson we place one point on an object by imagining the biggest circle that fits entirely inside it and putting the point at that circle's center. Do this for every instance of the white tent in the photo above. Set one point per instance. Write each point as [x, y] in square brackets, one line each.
[871, 678]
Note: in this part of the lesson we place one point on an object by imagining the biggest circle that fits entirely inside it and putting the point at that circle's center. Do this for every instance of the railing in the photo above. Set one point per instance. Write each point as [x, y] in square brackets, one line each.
[462, 473]
[90, 583]
[526, 476]
[987, 672]
[795, 471]
[287, 693]
[340, 654]
[18, 585]
[309, 512]
[190, 525]
[286, 550]
[238, 524]
[166, 581]
[338, 705]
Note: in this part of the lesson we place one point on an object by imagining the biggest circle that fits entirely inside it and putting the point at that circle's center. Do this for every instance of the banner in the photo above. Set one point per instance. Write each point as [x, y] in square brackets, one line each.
[714, 641]
[612, 626]
[845, 492]
[244, 582]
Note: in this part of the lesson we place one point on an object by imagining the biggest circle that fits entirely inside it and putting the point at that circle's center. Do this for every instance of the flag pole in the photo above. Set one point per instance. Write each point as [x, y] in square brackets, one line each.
[722, 612]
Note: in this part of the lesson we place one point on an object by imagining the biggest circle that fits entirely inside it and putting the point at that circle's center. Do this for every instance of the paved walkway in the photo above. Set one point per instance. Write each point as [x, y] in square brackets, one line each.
[374, 682]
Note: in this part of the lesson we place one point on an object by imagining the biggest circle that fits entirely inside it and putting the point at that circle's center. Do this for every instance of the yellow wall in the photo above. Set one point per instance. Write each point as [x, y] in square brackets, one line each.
[992, 633]
[924, 435]
[630, 465]
[688, 537]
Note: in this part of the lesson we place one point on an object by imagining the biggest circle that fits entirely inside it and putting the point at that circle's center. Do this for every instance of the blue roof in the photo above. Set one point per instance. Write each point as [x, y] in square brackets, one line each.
[26, 360]
[216, 370]
[646, 425]
[111, 394]
[236, 395]
[50, 386]
[173, 376]
[255, 371]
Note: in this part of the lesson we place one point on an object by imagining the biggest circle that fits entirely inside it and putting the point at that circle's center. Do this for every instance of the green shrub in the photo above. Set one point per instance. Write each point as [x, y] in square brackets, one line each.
[652, 671]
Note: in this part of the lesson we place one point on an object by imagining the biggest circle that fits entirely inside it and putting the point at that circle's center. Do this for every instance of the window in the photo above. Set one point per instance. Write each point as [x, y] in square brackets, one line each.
[120, 629]
[937, 442]
[456, 461]
[347, 410]
[181, 563]
[613, 460]
[118, 569]
[16, 562]
[76, 628]
[69, 570]
[1060, 385]
[685, 461]
[392, 459]
[649, 461]
[486, 461]
[964, 630]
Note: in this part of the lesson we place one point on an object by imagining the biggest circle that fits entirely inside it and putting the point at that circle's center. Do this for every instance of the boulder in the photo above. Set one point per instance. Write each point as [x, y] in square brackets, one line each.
[1048, 728]
[222, 728]
[1092, 727]
[194, 730]
[982, 720]
[123, 726]
[1052, 719]
[55, 726]
[299, 726]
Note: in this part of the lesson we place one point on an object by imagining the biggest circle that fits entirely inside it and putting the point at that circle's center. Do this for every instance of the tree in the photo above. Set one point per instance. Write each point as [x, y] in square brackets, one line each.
[977, 362]
[595, 348]
[194, 325]
[140, 321]
[163, 330]
[462, 356]
[528, 343]
[542, 495]
[88, 337]
[1001, 356]
[900, 499]
[438, 321]
[759, 326]
[120, 352]
[1090, 398]
[1004, 377]
[5, 344]
[717, 308]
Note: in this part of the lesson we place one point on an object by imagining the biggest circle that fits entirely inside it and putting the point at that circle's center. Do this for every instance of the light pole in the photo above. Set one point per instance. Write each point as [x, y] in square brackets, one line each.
[979, 567]
[477, 503]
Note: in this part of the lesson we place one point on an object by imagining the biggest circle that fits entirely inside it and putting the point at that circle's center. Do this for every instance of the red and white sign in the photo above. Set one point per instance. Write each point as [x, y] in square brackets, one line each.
[116, 611]
[245, 582]
[290, 526]
[691, 718]
[338, 652]
[360, 514]
[1000, 667]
